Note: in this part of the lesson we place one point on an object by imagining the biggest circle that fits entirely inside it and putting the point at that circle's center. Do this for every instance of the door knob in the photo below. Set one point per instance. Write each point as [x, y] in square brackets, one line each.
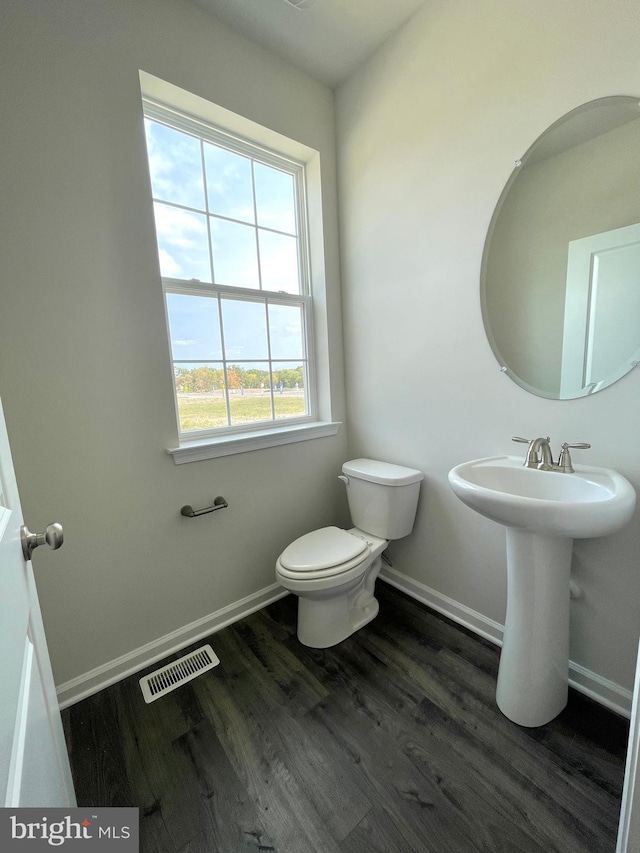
[52, 536]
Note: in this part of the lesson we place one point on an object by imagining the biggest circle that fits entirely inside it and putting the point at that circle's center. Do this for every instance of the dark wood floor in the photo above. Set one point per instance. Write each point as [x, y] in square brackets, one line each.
[390, 742]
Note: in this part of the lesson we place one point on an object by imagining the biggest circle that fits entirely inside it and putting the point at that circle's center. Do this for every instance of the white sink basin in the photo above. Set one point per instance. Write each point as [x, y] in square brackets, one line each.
[543, 512]
[590, 502]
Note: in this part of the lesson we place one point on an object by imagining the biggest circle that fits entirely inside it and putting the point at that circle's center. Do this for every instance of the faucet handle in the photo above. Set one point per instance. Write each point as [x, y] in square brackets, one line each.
[564, 462]
[522, 440]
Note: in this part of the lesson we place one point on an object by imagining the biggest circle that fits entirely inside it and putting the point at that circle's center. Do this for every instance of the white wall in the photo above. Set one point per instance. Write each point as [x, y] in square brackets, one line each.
[84, 369]
[428, 133]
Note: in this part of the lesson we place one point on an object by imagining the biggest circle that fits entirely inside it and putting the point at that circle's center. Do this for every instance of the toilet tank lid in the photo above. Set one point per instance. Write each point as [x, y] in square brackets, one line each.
[382, 472]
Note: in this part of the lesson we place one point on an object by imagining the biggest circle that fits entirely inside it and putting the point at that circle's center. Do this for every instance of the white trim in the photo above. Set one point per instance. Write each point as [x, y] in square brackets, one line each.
[201, 109]
[318, 367]
[109, 673]
[459, 613]
[211, 448]
[204, 132]
[602, 690]
[222, 136]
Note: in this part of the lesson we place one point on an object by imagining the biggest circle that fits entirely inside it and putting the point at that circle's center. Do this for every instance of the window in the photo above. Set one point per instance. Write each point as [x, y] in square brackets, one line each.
[233, 248]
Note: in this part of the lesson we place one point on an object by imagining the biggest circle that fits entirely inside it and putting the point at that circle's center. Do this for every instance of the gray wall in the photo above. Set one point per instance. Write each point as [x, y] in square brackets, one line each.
[84, 362]
[428, 132]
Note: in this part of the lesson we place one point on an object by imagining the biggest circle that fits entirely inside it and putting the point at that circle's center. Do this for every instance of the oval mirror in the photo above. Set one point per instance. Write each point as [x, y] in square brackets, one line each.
[560, 281]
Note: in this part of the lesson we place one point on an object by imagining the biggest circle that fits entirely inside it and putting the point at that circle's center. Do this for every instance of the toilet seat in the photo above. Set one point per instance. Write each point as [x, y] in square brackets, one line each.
[323, 553]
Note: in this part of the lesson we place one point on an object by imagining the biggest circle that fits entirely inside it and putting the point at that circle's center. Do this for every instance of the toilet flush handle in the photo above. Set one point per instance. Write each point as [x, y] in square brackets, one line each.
[344, 479]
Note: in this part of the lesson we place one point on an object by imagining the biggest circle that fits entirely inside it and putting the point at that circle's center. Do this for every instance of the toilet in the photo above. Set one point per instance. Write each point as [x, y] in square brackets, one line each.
[333, 571]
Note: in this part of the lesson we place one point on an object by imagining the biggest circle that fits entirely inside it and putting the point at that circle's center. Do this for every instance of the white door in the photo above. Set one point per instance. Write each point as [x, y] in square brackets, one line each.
[34, 766]
[601, 338]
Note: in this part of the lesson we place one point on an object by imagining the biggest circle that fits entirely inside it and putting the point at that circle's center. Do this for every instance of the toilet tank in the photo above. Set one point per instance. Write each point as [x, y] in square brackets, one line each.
[382, 497]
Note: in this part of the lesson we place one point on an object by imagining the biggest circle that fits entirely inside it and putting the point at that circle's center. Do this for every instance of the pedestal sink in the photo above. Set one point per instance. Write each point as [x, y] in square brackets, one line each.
[543, 512]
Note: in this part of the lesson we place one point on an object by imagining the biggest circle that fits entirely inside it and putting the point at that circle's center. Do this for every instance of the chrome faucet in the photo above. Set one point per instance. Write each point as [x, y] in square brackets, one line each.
[537, 447]
[539, 455]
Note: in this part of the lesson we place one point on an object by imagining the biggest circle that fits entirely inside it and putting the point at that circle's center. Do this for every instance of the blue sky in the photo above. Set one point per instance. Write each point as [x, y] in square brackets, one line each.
[195, 329]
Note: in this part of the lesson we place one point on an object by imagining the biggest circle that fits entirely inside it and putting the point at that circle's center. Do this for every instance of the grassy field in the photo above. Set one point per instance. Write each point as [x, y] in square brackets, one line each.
[205, 411]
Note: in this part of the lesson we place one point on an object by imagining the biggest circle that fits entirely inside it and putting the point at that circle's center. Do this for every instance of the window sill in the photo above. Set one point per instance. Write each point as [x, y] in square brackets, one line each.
[211, 448]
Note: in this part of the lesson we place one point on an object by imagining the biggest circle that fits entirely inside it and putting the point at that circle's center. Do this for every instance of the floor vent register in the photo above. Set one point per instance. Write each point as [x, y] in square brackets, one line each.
[169, 677]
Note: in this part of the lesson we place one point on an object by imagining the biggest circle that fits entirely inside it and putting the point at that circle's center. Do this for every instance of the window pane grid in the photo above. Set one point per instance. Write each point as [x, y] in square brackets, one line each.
[232, 391]
[178, 231]
[239, 221]
[202, 210]
[209, 250]
[259, 374]
[277, 393]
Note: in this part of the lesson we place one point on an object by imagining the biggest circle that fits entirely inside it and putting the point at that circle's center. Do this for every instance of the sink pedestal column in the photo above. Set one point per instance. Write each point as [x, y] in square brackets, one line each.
[534, 663]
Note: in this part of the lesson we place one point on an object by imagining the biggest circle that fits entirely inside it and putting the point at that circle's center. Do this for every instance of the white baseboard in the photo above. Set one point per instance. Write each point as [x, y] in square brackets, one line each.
[102, 676]
[600, 689]
[459, 613]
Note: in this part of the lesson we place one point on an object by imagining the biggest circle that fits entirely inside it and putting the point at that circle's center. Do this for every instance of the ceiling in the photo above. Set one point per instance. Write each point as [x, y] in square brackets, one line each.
[329, 39]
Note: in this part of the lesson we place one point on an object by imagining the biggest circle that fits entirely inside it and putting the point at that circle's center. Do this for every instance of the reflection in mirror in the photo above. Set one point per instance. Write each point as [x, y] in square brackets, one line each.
[561, 267]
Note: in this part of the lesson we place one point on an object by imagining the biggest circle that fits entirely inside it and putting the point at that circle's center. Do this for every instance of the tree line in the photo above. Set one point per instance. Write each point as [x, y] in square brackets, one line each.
[200, 379]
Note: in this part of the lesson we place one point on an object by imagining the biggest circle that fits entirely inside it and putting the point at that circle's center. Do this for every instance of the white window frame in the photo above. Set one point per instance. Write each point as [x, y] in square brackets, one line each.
[222, 441]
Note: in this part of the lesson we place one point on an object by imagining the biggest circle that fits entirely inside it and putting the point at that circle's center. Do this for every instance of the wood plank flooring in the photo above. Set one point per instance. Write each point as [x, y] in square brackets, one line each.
[390, 742]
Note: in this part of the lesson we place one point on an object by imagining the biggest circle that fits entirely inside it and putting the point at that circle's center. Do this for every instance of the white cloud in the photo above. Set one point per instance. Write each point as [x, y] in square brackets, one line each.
[179, 227]
[168, 264]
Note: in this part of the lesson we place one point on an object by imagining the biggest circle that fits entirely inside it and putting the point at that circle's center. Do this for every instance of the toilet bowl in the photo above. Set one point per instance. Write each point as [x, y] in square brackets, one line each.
[333, 571]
